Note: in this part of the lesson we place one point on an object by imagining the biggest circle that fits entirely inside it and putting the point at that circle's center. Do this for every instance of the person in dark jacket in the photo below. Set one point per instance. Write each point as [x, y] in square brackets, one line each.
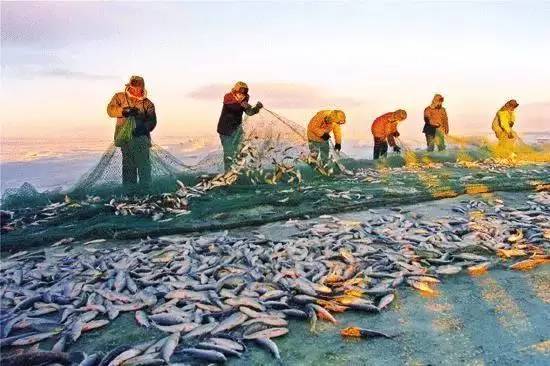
[235, 103]
[133, 103]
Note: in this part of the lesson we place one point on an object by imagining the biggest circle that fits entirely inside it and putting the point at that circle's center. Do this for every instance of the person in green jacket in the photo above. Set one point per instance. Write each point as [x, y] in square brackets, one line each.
[504, 121]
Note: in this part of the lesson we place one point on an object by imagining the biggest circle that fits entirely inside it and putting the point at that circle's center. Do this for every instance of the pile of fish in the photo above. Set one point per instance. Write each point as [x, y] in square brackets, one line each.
[36, 216]
[214, 295]
[156, 207]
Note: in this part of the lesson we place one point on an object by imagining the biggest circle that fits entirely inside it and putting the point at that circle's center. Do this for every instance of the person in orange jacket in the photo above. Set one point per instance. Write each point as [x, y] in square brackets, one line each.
[384, 131]
[319, 129]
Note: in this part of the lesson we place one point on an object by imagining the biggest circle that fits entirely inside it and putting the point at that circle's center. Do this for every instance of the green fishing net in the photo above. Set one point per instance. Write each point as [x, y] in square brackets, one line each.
[91, 209]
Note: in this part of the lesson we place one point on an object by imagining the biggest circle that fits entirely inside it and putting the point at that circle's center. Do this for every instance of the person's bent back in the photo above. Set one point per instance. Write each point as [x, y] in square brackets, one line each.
[318, 133]
[384, 131]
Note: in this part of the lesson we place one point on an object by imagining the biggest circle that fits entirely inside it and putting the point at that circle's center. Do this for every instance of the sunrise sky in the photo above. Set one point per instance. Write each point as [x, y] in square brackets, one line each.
[62, 62]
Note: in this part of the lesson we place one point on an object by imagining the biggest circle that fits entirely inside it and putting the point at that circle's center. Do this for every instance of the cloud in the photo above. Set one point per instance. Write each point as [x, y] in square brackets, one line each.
[280, 95]
[32, 71]
[69, 74]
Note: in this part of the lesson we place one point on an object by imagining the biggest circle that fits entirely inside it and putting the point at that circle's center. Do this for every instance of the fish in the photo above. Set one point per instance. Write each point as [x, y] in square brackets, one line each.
[90, 360]
[32, 339]
[422, 286]
[169, 346]
[358, 304]
[129, 354]
[267, 320]
[529, 264]
[245, 301]
[141, 318]
[61, 343]
[41, 358]
[200, 330]
[228, 343]
[94, 324]
[509, 253]
[106, 360]
[219, 348]
[167, 318]
[479, 269]
[95, 241]
[363, 333]
[322, 313]
[269, 345]
[230, 322]
[203, 354]
[177, 328]
[448, 270]
[385, 301]
[267, 333]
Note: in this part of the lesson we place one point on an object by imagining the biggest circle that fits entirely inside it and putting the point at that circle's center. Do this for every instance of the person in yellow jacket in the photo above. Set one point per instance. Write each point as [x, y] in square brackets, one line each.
[504, 121]
[319, 129]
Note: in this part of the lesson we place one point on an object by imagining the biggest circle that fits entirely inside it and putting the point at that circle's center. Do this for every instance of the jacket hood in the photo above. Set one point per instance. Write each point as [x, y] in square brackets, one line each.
[143, 97]
[437, 100]
[239, 87]
[511, 104]
[337, 116]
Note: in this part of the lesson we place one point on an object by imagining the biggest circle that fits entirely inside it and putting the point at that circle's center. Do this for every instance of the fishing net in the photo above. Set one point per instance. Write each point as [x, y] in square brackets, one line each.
[270, 136]
[108, 171]
[272, 178]
[269, 141]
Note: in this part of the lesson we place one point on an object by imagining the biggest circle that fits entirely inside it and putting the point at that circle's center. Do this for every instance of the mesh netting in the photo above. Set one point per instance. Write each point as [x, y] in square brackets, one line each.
[270, 135]
[272, 146]
[273, 139]
[108, 171]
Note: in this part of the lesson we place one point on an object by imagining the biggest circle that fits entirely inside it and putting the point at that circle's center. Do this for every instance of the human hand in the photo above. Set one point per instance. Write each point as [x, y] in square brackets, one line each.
[129, 111]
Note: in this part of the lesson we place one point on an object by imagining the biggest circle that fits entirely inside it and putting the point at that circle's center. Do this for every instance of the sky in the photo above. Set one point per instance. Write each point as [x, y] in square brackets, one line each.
[61, 62]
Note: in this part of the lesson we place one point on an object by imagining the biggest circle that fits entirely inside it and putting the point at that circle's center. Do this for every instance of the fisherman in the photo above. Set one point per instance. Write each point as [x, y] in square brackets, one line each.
[231, 118]
[318, 133]
[504, 121]
[384, 131]
[132, 105]
[436, 124]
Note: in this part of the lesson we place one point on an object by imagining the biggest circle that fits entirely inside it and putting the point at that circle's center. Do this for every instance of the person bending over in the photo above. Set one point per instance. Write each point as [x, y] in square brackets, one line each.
[384, 132]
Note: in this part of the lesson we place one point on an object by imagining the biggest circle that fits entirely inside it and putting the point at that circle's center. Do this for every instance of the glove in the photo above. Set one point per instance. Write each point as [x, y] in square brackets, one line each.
[396, 134]
[129, 111]
[337, 147]
[240, 97]
[397, 149]
[259, 105]
[325, 136]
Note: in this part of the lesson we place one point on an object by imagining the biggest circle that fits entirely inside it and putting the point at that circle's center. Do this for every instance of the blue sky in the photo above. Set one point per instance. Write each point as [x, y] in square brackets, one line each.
[63, 61]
